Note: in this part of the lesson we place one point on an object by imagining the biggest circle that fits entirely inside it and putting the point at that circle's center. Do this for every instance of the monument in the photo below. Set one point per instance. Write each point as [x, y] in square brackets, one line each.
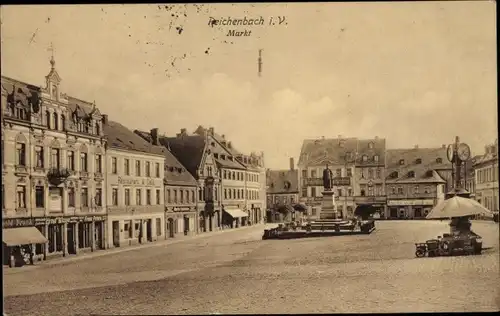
[328, 209]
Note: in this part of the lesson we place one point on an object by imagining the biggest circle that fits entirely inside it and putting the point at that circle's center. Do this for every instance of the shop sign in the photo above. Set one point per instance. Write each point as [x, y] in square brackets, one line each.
[336, 181]
[64, 220]
[181, 209]
[17, 222]
[409, 202]
[145, 182]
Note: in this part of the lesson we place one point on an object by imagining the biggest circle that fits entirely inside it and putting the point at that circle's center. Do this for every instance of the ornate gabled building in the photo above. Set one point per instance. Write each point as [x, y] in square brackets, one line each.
[415, 181]
[53, 166]
[358, 169]
[486, 176]
[180, 187]
[282, 190]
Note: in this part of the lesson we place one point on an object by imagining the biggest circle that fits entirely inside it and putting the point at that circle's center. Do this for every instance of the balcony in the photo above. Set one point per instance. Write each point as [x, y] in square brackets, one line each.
[84, 175]
[98, 176]
[56, 176]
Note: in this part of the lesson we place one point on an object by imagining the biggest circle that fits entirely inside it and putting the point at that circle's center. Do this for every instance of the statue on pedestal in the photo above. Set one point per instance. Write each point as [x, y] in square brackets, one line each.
[327, 179]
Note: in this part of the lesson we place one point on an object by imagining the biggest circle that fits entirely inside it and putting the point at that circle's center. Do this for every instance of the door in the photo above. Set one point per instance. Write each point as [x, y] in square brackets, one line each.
[186, 225]
[394, 212]
[98, 235]
[149, 230]
[116, 233]
[71, 239]
[171, 228]
[418, 212]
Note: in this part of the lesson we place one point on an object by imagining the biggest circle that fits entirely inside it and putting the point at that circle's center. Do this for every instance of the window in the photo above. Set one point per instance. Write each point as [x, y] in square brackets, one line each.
[379, 173]
[40, 196]
[63, 122]
[349, 192]
[200, 194]
[148, 169]
[127, 197]
[98, 197]
[225, 194]
[365, 158]
[127, 228]
[400, 190]
[126, 165]
[138, 168]
[339, 172]
[21, 154]
[98, 163]
[71, 160]
[47, 118]
[138, 197]
[158, 196]
[393, 190]
[370, 173]
[394, 174]
[54, 158]
[401, 161]
[158, 227]
[97, 129]
[370, 145]
[56, 121]
[85, 197]
[313, 173]
[168, 197]
[304, 192]
[363, 192]
[439, 160]
[415, 189]
[349, 172]
[148, 197]
[304, 174]
[157, 170]
[233, 175]
[339, 192]
[174, 193]
[192, 197]
[313, 191]
[427, 190]
[3, 197]
[418, 161]
[71, 197]
[216, 195]
[375, 158]
[224, 176]
[114, 166]
[39, 156]
[229, 191]
[21, 196]
[411, 174]
[114, 196]
[83, 162]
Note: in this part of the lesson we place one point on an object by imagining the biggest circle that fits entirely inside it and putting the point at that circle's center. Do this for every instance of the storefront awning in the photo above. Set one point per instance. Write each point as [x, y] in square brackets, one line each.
[23, 236]
[236, 213]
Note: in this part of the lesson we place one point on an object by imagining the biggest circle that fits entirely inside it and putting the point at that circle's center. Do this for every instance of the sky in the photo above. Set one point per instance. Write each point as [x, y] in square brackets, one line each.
[411, 72]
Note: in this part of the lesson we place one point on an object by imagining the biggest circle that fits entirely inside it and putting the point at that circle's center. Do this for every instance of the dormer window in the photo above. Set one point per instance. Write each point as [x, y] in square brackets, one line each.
[213, 144]
[341, 143]
[439, 160]
[370, 145]
[230, 158]
[375, 158]
[216, 155]
[411, 174]
[223, 157]
[418, 161]
[287, 185]
[401, 161]
[429, 173]
[365, 158]
[394, 174]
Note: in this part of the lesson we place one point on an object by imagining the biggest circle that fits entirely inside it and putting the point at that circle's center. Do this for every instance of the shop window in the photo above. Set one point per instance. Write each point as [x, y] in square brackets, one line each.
[40, 196]
[71, 197]
[85, 197]
[39, 156]
[71, 161]
[114, 196]
[21, 154]
[158, 196]
[21, 196]
[158, 227]
[127, 197]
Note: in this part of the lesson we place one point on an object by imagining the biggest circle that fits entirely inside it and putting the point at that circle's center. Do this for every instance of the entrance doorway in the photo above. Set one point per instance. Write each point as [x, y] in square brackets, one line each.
[149, 230]
[71, 239]
[394, 212]
[116, 233]
[99, 228]
[171, 227]
[186, 225]
[418, 212]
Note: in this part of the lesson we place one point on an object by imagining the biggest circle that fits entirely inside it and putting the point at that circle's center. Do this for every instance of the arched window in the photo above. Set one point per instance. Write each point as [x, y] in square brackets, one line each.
[47, 118]
[97, 129]
[63, 122]
[56, 121]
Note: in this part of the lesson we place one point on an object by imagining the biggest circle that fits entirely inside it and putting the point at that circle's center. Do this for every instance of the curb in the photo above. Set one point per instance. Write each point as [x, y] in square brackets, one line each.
[111, 251]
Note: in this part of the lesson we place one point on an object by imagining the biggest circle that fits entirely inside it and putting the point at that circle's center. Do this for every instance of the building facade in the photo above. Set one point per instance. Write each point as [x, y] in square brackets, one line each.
[53, 166]
[358, 167]
[414, 184]
[486, 177]
[282, 190]
[135, 185]
[181, 191]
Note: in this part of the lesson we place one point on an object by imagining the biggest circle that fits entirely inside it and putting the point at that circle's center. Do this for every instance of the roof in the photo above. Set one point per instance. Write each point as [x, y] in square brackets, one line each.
[282, 181]
[490, 155]
[188, 149]
[19, 91]
[175, 171]
[338, 150]
[120, 137]
[422, 162]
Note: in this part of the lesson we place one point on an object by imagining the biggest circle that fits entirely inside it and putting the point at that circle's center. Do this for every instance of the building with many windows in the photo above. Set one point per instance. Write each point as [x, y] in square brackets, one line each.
[181, 190]
[135, 175]
[414, 181]
[53, 166]
[486, 177]
[282, 190]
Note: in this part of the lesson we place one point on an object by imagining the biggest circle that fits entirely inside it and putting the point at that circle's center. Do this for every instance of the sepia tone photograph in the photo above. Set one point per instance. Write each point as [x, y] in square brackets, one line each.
[250, 158]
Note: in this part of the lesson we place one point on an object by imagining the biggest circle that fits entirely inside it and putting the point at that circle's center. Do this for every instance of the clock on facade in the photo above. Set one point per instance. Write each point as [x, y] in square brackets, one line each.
[449, 153]
[463, 152]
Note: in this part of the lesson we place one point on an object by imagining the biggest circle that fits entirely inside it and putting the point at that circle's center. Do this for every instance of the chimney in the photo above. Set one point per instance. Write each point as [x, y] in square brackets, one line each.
[104, 119]
[443, 146]
[183, 131]
[416, 146]
[229, 145]
[376, 137]
[340, 136]
[154, 137]
[223, 136]
[292, 164]
[211, 131]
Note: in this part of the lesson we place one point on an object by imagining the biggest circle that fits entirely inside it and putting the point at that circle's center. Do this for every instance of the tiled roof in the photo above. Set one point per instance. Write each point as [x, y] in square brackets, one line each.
[338, 150]
[18, 90]
[82, 108]
[120, 137]
[188, 149]
[175, 172]
[422, 162]
[277, 181]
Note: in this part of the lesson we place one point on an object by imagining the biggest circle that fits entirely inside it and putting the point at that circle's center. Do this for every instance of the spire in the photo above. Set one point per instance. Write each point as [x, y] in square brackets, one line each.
[52, 60]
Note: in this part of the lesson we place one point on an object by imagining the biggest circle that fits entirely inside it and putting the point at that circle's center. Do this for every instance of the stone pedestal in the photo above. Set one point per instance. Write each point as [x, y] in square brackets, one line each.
[328, 209]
